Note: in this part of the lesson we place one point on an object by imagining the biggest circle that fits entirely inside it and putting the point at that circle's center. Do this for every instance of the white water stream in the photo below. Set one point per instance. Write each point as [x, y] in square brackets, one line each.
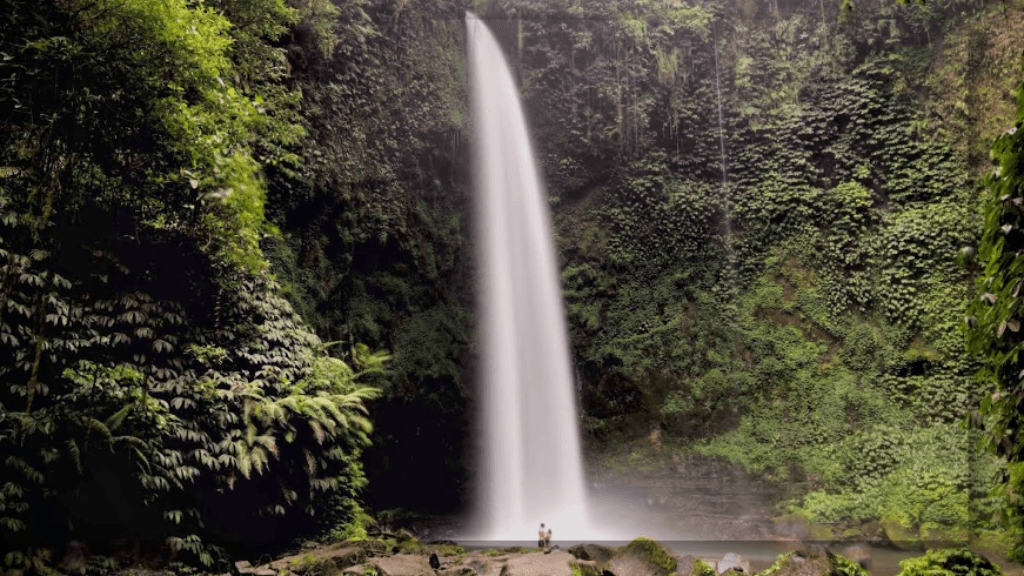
[531, 467]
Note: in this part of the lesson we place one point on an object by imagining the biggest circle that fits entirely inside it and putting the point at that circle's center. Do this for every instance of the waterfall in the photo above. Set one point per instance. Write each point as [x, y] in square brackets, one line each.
[531, 469]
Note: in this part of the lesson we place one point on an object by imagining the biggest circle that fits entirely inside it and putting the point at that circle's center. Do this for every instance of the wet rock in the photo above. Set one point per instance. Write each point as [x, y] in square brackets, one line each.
[265, 571]
[244, 568]
[435, 562]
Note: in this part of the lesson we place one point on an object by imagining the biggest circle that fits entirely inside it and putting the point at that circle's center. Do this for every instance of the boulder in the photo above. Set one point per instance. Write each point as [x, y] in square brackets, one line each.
[536, 564]
[814, 561]
[684, 564]
[859, 553]
[820, 533]
[402, 565]
[244, 568]
[733, 562]
[938, 536]
[793, 525]
[642, 557]
[335, 557]
[584, 568]
[901, 534]
[457, 571]
[434, 561]
[989, 542]
[595, 552]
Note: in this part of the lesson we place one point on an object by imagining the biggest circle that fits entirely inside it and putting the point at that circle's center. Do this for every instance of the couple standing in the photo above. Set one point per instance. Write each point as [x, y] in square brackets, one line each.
[543, 538]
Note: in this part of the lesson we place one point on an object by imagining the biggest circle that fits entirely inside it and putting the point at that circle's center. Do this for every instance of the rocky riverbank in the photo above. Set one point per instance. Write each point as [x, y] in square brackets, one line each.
[641, 557]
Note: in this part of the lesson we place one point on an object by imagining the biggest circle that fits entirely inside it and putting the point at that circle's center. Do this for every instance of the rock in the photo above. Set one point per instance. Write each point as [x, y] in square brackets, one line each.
[642, 557]
[457, 571]
[684, 564]
[859, 553]
[244, 568]
[938, 536]
[820, 533]
[584, 567]
[814, 561]
[901, 535]
[402, 565]
[991, 542]
[330, 558]
[404, 534]
[265, 571]
[733, 562]
[310, 545]
[435, 562]
[595, 552]
[552, 564]
[792, 525]
[870, 528]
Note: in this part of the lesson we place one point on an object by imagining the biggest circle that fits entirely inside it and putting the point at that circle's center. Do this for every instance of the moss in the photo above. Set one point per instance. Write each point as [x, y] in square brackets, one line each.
[702, 568]
[821, 533]
[846, 567]
[936, 533]
[901, 534]
[949, 562]
[653, 552]
[775, 567]
[999, 543]
[450, 550]
[852, 533]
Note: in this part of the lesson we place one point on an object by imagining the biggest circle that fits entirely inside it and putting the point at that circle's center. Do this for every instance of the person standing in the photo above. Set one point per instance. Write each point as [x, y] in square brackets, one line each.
[547, 539]
[540, 536]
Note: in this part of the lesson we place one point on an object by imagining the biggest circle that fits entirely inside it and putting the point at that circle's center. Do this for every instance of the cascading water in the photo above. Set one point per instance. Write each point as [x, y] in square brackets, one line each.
[531, 468]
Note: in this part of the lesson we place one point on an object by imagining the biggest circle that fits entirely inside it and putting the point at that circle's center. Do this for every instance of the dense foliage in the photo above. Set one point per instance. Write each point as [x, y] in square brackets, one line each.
[155, 384]
[995, 320]
[949, 562]
[758, 205]
[760, 208]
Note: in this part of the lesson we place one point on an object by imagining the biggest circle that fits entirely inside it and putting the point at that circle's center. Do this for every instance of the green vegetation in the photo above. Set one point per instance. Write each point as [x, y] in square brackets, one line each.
[206, 206]
[702, 568]
[797, 313]
[949, 562]
[652, 553]
[993, 332]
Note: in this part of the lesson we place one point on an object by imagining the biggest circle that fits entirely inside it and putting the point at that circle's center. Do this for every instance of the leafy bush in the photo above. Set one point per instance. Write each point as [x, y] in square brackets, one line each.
[948, 562]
